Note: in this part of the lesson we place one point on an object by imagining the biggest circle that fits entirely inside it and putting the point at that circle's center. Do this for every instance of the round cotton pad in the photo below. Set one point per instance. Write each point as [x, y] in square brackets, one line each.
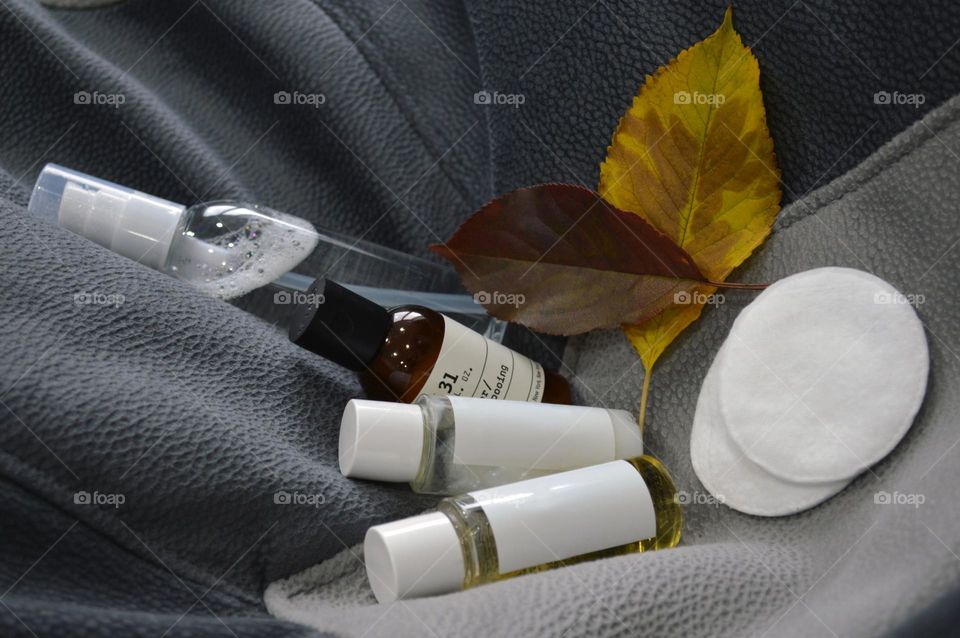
[734, 479]
[822, 375]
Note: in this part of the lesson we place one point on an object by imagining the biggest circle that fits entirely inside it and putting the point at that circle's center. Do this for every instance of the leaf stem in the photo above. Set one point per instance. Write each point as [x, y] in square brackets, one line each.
[644, 393]
[730, 285]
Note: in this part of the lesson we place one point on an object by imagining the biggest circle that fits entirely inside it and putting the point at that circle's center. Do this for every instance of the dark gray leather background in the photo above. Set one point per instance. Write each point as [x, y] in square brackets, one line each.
[198, 412]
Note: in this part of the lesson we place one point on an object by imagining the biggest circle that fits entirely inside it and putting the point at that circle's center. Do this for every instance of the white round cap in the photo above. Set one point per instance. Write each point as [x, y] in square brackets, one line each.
[136, 225]
[416, 556]
[381, 441]
[627, 437]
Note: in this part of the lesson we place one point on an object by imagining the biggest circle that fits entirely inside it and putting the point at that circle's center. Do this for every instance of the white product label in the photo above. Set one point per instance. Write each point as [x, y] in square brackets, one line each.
[530, 436]
[563, 515]
[470, 365]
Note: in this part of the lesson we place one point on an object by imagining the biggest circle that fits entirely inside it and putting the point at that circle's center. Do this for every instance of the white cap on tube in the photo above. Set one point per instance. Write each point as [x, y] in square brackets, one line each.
[627, 437]
[133, 224]
[412, 557]
[381, 441]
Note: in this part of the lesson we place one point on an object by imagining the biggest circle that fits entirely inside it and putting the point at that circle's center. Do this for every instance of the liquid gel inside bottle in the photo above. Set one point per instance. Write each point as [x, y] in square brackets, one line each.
[225, 249]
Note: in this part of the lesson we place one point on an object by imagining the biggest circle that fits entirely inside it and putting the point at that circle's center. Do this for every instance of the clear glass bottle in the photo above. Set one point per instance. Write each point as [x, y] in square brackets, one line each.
[410, 351]
[228, 249]
[551, 521]
[451, 445]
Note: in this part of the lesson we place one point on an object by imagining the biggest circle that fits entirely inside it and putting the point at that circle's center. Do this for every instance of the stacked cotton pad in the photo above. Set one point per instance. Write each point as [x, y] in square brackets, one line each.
[820, 378]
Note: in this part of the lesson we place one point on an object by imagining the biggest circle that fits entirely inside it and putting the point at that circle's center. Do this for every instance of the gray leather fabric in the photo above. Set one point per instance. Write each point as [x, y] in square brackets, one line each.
[850, 567]
[198, 413]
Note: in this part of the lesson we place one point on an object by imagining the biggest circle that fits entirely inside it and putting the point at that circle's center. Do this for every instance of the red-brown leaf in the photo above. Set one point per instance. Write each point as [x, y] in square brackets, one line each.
[559, 259]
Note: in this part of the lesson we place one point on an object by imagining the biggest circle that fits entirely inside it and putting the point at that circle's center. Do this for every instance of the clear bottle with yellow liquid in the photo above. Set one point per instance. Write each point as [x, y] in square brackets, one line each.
[550, 521]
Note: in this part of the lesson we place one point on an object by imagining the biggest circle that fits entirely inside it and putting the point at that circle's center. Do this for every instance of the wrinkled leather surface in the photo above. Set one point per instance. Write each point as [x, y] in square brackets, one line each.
[197, 412]
[89, 585]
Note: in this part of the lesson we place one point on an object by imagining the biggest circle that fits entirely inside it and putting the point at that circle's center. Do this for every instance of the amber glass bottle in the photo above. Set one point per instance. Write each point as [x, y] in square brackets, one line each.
[409, 351]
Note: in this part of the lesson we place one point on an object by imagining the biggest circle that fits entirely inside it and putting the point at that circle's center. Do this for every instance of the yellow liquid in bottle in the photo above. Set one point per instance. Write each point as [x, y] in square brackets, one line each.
[479, 546]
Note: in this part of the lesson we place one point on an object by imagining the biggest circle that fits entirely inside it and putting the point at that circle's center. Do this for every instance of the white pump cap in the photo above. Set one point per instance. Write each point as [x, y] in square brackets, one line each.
[412, 557]
[126, 221]
[381, 441]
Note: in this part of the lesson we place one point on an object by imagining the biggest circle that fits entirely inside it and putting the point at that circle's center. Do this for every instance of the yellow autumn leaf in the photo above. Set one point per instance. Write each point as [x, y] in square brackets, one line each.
[693, 157]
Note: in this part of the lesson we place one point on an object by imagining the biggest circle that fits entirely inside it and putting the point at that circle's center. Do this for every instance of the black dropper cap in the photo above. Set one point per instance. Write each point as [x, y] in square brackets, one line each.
[340, 325]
